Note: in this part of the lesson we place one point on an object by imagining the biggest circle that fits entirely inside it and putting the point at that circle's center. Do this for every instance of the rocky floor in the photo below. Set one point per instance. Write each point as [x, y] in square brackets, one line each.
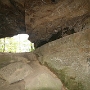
[30, 75]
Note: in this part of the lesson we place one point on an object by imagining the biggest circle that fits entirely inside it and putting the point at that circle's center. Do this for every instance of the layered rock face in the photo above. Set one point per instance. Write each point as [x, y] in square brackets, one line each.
[23, 72]
[12, 17]
[47, 21]
[43, 20]
[69, 59]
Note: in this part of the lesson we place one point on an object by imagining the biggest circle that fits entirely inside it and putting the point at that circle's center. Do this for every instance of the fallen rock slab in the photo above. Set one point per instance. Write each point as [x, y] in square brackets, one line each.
[15, 72]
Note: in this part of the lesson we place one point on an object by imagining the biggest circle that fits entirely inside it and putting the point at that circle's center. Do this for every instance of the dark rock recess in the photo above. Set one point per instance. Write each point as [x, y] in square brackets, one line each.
[43, 20]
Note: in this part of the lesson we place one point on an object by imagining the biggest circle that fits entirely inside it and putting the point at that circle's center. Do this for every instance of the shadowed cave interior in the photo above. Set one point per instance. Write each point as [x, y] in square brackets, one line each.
[60, 31]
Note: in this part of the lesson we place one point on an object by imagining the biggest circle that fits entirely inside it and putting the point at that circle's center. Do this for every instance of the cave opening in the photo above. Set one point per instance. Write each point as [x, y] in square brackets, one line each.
[16, 44]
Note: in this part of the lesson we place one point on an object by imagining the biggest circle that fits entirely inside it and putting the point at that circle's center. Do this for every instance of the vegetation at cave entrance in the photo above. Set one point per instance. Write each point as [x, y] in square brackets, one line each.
[18, 43]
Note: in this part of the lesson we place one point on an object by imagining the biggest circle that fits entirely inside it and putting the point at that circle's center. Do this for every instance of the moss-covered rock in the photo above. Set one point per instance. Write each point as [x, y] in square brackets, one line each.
[70, 82]
[69, 58]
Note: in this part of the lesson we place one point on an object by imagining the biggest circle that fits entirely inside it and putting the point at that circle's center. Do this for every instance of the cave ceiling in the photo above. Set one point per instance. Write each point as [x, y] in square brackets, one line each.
[43, 20]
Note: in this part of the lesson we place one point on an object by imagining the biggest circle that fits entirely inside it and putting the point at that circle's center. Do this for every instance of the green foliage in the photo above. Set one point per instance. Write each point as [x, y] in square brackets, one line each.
[15, 45]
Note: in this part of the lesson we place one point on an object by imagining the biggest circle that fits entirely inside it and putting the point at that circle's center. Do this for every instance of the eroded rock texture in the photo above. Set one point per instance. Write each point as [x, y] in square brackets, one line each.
[43, 20]
[48, 20]
[69, 58]
[23, 72]
[12, 17]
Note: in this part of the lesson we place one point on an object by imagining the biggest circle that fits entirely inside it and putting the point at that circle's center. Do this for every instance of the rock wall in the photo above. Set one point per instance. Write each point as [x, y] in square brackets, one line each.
[43, 20]
[12, 17]
[22, 71]
[47, 21]
[69, 59]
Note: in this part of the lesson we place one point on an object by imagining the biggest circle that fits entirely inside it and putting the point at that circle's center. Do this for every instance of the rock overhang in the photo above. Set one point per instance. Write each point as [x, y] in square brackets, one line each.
[43, 20]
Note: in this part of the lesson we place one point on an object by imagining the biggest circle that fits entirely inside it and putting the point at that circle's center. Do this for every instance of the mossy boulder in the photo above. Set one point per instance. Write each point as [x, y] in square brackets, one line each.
[69, 59]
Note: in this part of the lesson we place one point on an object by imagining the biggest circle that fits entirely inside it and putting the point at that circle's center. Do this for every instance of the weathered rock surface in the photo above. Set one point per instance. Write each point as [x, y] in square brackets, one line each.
[46, 21]
[15, 72]
[7, 58]
[69, 58]
[16, 86]
[12, 17]
[43, 20]
[42, 79]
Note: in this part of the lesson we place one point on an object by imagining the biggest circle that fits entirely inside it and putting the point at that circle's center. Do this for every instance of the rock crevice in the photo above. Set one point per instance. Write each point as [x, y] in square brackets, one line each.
[43, 21]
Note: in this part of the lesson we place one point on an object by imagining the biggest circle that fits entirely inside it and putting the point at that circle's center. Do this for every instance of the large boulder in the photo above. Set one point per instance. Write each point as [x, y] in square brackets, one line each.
[69, 58]
[42, 79]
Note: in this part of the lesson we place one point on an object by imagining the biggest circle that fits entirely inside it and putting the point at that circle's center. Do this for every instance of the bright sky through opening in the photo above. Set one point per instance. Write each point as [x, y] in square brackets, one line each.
[17, 43]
